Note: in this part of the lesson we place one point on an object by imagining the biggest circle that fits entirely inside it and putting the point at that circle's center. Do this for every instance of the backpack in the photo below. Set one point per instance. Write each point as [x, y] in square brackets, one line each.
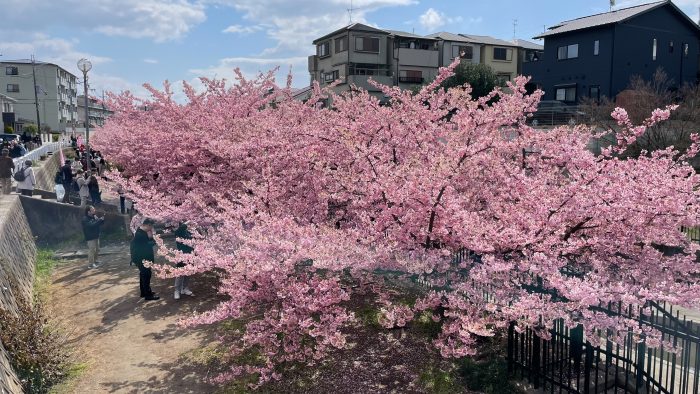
[20, 176]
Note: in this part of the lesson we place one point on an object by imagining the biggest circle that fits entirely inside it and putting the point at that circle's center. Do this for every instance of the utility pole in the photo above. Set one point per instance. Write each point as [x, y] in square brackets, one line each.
[515, 26]
[103, 108]
[36, 97]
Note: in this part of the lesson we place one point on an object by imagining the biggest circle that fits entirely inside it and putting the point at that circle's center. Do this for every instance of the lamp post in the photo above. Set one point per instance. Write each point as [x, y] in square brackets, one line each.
[84, 65]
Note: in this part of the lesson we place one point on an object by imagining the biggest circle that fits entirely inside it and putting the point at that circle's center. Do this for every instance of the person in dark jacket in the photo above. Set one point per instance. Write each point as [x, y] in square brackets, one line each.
[142, 251]
[7, 166]
[182, 282]
[67, 173]
[91, 230]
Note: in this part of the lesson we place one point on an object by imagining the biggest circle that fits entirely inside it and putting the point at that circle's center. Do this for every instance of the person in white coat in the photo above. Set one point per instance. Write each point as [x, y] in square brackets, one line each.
[83, 190]
[25, 187]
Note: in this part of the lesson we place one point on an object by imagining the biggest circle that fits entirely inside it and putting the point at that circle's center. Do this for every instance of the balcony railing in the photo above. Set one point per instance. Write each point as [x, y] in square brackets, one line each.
[411, 79]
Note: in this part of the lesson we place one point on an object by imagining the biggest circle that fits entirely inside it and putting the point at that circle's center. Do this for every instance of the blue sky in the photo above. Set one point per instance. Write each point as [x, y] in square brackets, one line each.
[135, 41]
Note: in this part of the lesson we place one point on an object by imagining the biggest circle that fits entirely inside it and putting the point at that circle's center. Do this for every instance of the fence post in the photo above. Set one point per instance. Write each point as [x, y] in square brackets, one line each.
[511, 346]
[587, 366]
[576, 346]
[641, 349]
[535, 364]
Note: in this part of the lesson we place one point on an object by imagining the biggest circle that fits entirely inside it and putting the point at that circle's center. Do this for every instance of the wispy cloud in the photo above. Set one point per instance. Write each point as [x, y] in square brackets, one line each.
[243, 30]
[433, 19]
[150, 61]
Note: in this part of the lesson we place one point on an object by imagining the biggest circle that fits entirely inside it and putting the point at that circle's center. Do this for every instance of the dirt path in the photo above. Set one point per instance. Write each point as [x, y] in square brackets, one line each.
[129, 345]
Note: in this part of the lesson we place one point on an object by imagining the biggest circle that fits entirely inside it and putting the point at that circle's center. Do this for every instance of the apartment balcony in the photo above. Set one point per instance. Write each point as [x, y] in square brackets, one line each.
[417, 57]
[418, 80]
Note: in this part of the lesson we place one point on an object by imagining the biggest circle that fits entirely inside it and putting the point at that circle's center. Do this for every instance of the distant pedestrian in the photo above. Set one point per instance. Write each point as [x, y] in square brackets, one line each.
[67, 180]
[142, 252]
[7, 166]
[122, 199]
[94, 189]
[15, 150]
[182, 282]
[26, 182]
[91, 229]
[83, 189]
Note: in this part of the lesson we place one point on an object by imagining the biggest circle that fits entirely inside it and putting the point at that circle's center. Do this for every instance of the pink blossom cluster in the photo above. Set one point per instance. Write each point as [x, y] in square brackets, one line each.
[291, 203]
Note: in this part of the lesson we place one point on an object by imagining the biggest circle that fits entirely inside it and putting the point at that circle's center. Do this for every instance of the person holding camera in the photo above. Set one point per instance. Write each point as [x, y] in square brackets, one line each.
[142, 252]
[91, 229]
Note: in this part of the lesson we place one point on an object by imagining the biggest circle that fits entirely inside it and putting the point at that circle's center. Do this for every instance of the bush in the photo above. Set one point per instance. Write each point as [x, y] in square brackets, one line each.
[8, 129]
[480, 77]
[30, 129]
[37, 351]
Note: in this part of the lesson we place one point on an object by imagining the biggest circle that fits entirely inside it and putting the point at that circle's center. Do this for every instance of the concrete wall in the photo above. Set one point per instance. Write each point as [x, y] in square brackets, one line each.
[53, 222]
[17, 261]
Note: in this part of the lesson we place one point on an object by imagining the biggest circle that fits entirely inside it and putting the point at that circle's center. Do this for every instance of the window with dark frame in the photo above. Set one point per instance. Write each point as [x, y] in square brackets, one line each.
[12, 88]
[566, 93]
[341, 44]
[11, 70]
[323, 49]
[653, 49]
[463, 51]
[411, 76]
[503, 54]
[331, 76]
[596, 47]
[686, 50]
[594, 92]
[670, 47]
[567, 52]
[367, 44]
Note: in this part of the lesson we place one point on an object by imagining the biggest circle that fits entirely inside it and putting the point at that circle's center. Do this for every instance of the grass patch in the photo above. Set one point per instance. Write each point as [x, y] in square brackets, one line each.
[45, 264]
[437, 381]
[368, 315]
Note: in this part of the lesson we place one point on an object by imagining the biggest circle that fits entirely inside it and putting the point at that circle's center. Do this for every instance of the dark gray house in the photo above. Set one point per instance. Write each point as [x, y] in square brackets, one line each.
[596, 55]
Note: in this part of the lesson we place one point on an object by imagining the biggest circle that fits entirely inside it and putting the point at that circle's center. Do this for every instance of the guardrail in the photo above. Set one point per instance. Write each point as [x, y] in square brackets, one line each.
[35, 154]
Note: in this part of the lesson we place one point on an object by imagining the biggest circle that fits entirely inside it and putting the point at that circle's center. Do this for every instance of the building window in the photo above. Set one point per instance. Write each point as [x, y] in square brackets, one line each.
[367, 44]
[686, 49]
[465, 52]
[670, 47]
[566, 93]
[594, 93]
[11, 70]
[331, 76]
[411, 76]
[504, 54]
[323, 49]
[503, 78]
[12, 88]
[341, 44]
[653, 50]
[567, 52]
[596, 47]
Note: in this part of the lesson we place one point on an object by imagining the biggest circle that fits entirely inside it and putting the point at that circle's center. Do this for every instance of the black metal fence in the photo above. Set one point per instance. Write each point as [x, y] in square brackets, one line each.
[572, 363]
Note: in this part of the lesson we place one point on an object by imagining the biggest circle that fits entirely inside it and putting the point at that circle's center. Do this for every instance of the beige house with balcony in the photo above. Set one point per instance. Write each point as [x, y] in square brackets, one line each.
[500, 55]
[453, 45]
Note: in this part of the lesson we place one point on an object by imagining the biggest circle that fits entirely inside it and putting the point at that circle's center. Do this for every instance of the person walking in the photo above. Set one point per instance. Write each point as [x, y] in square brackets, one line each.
[91, 229]
[182, 282]
[141, 252]
[67, 180]
[6, 168]
[83, 188]
[94, 189]
[26, 183]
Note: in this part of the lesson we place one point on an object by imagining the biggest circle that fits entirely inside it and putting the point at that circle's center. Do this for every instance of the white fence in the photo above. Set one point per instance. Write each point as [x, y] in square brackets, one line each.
[44, 149]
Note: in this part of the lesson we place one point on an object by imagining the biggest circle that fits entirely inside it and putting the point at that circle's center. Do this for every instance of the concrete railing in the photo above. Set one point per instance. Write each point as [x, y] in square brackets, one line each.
[43, 150]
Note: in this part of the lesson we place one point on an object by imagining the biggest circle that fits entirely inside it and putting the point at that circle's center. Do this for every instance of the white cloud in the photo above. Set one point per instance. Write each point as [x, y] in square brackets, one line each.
[252, 66]
[159, 20]
[150, 61]
[293, 25]
[431, 20]
[243, 30]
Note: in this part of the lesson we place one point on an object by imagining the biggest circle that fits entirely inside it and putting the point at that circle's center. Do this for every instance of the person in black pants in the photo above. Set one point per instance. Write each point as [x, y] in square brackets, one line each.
[67, 180]
[142, 251]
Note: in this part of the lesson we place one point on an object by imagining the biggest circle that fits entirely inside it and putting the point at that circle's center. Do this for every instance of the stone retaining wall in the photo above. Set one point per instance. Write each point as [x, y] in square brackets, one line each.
[17, 262]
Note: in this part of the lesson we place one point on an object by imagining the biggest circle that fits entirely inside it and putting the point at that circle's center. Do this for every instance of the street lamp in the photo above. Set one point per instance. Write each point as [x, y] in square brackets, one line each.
[84, 65]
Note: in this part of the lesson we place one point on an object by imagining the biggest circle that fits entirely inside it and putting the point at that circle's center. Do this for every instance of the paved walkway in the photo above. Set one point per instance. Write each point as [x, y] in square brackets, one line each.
[129, 345]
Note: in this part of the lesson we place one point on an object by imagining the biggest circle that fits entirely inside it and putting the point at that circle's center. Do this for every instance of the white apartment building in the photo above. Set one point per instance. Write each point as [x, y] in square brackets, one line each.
[7, 107]
[56, 93]
[96, 112]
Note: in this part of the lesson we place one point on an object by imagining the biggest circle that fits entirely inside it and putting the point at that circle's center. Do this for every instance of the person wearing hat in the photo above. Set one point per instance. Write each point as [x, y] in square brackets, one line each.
[25, 186]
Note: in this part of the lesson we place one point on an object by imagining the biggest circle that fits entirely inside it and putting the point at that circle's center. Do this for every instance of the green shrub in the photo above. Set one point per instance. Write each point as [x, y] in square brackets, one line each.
[38, 353]
[30, 129]
[489, 376]
[8, 129]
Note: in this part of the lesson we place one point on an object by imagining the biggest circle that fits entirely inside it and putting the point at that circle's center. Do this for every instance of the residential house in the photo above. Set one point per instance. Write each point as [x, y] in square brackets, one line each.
[8, 112]
[596, 55]
[56, 91]
[415, 59]
[353, 55]
[453, 45]
[97, 112]
[500, 55]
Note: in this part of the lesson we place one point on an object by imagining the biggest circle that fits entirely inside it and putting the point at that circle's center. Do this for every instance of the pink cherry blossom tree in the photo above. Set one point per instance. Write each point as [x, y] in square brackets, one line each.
[294, 204]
